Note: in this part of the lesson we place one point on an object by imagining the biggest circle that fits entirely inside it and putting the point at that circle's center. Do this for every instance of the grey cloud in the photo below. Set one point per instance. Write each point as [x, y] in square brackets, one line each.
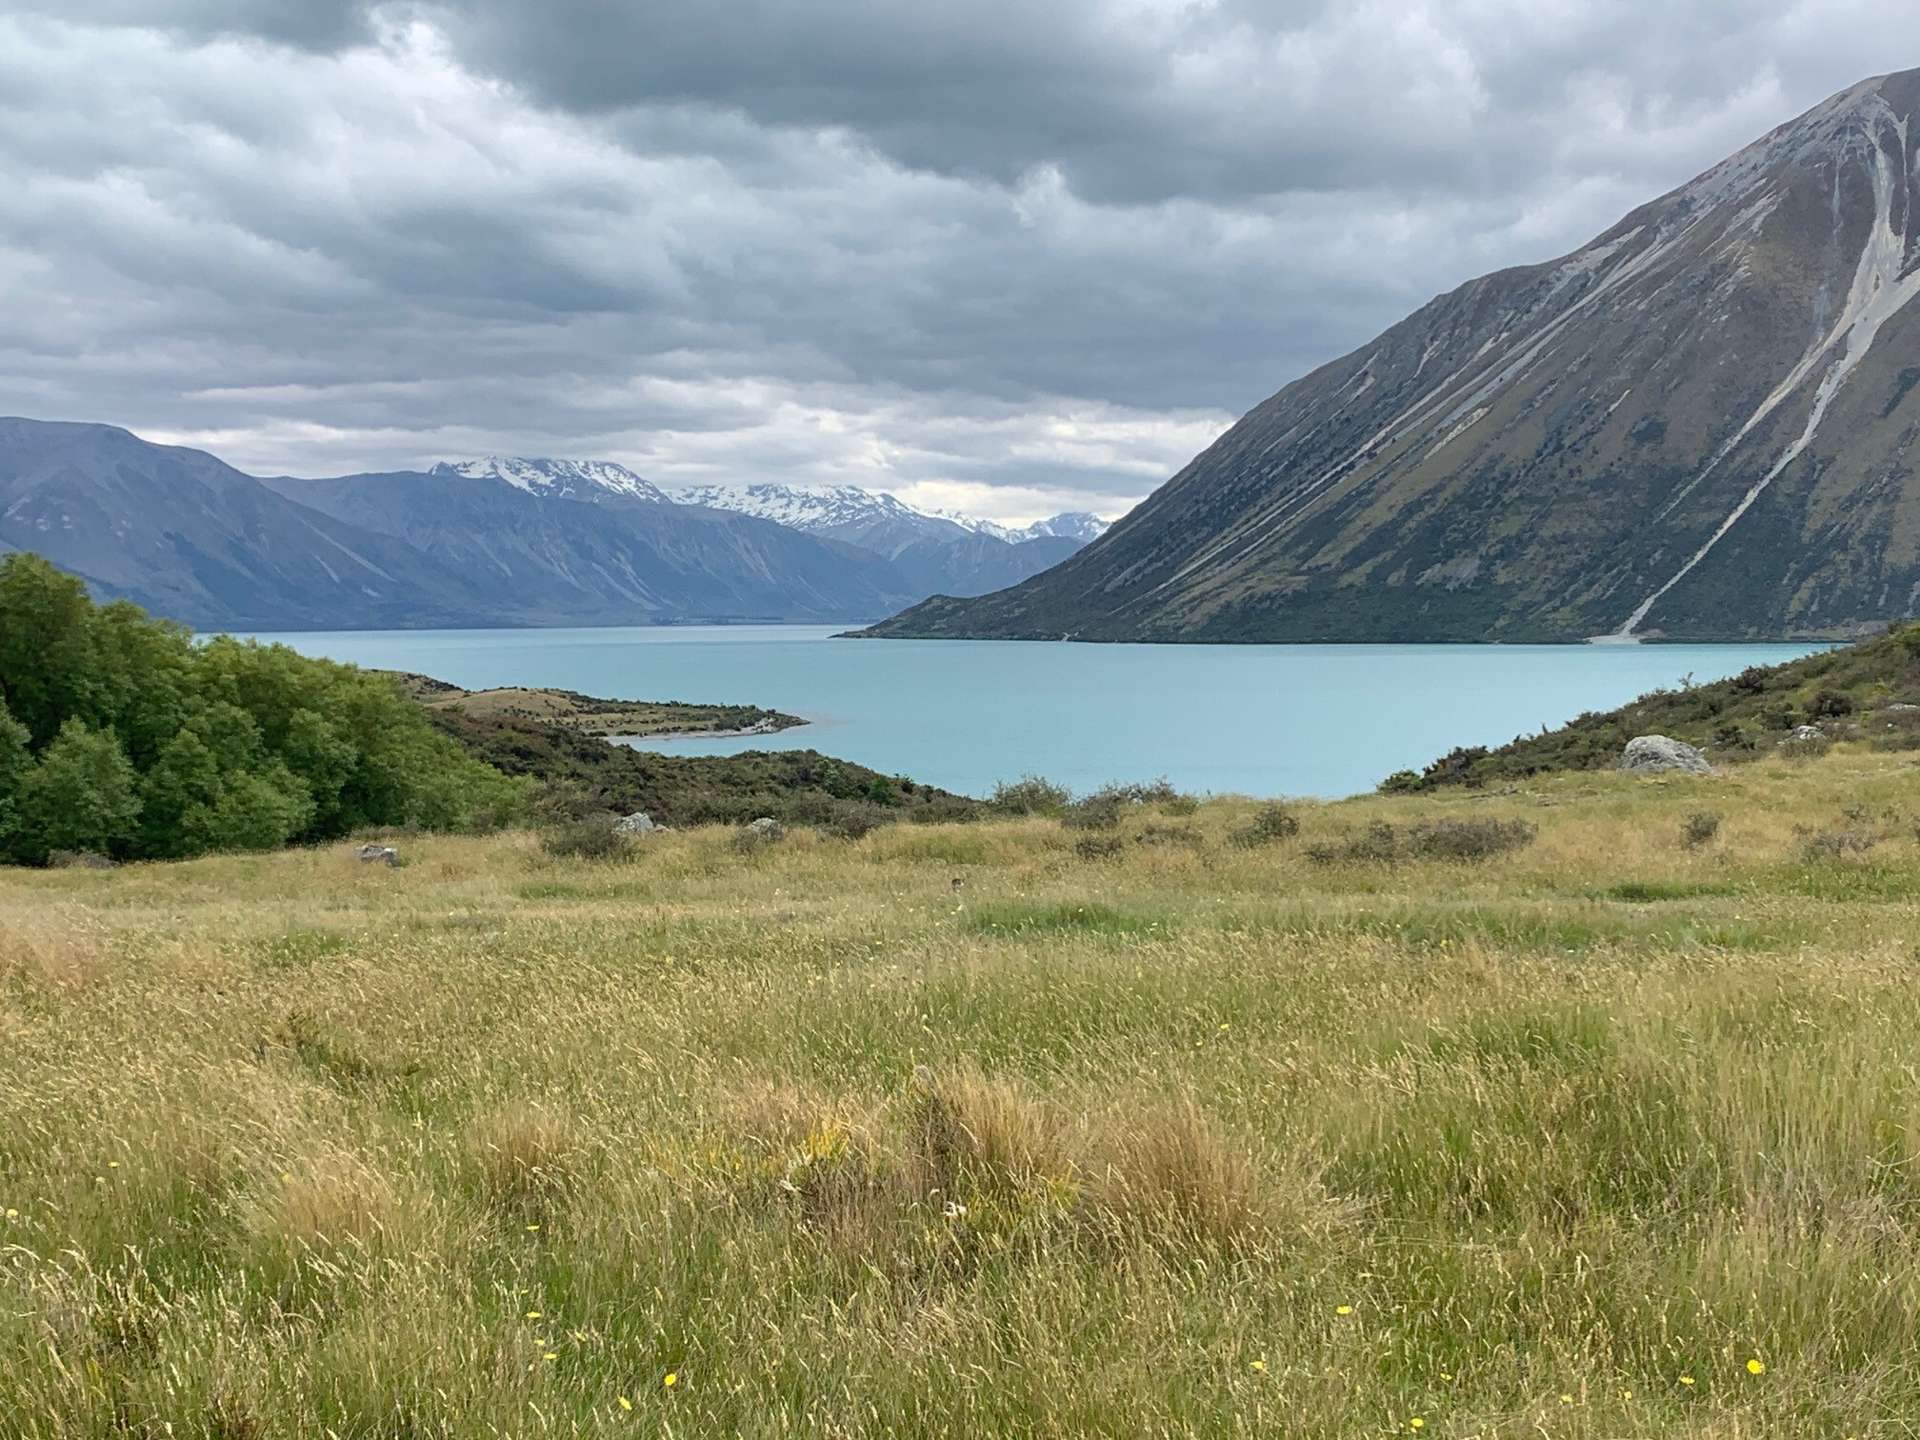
[1021, 249]
[320, 25]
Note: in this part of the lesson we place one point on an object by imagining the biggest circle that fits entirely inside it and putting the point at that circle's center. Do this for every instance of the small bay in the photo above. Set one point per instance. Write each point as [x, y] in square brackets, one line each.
[1319, 720]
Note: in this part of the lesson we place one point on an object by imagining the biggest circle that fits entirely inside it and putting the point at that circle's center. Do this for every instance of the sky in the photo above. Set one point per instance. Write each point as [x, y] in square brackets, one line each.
[999, 256]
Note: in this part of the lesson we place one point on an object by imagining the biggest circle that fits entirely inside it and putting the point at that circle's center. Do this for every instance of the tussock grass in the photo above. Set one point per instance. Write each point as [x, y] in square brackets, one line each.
[1203, 1139]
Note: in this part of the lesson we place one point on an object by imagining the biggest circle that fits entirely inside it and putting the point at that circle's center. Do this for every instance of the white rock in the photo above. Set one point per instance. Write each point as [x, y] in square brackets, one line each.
[1658, 754]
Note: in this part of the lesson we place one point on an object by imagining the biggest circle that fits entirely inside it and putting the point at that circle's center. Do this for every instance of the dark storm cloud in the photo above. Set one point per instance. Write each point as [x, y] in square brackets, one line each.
[1017, 256]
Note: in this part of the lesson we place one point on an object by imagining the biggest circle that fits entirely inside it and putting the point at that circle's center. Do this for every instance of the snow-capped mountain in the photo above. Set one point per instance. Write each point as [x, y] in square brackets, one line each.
[932, 554]
[937, 554]
[559, 479]
[1081, 525]
[872, 519]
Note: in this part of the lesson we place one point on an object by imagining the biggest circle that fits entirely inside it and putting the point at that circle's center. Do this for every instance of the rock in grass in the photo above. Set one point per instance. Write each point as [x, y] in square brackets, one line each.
[638, 823]
[767, 828]
[379, 855]
[1658, 754]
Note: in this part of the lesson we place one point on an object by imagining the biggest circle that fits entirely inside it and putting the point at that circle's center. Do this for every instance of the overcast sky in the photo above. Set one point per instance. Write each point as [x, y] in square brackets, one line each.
[1010, 256]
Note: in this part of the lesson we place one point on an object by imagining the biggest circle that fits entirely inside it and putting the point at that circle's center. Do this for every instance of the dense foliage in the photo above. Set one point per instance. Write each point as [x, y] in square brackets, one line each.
[121, 736]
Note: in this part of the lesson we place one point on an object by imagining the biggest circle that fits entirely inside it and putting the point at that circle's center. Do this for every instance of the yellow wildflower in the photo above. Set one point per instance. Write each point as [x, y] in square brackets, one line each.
[670, 1381]
[1756, 1366]
[1343, 1309]
[625, 1403]
[1259, 1367]
[1686, 1379]
[1416, 1423]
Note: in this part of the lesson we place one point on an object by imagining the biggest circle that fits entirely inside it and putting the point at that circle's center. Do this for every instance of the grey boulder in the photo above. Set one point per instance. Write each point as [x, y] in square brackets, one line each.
[1660, 754]
[378, 855]
[638, 823]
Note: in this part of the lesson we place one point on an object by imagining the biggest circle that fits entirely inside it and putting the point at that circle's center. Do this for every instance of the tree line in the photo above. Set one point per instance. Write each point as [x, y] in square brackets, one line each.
[121, 735]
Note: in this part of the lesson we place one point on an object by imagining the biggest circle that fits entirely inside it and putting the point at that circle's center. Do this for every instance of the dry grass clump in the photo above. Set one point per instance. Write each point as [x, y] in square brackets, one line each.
[523, 1157]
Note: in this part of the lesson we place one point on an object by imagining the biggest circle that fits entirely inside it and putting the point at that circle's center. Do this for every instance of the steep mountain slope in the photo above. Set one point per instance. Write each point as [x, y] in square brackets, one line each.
[938, 554]
[191, 538]
[1701, 425]
[551, 560]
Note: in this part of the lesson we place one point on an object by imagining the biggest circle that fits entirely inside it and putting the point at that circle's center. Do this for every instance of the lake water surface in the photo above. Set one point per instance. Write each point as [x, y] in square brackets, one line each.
[1322, 720]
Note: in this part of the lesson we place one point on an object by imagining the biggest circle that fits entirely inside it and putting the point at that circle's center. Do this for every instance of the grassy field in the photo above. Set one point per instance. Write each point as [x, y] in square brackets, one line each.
[964, 1130]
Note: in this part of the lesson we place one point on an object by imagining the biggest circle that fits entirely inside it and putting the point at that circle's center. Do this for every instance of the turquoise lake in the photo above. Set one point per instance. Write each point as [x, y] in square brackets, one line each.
[1323, 720]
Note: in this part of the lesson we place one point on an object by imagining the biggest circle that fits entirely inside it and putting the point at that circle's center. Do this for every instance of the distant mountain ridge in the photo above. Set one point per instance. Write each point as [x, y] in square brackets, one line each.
[1704, 424]
[937, 554]
[496, 541]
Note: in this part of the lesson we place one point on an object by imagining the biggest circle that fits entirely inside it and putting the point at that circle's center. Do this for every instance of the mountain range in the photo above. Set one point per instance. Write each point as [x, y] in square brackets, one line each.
[1701, 425]
[500, 541]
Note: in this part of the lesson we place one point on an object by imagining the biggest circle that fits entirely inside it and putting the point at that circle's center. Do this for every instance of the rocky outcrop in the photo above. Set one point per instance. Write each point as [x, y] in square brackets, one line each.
[638, 823]
[379, 855]
[1660, 754]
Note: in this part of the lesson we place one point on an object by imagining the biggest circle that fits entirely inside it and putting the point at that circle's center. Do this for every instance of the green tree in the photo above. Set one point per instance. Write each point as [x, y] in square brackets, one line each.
[16, 762]
[47, 662]
[81, 796]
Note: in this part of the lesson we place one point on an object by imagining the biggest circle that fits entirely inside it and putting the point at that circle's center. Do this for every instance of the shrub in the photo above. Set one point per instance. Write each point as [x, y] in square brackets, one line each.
[1462, 840]
[1700, 828]
[1468, 839]
[594, 839]
[1835, 844]
[1378, 843]
[1180, 805]
[856, 819]
[1732, 738]
[1402, 782]
[1030, 795]
[1829, 705]
[1099, 847]
[1273, 823]
[1098, 811]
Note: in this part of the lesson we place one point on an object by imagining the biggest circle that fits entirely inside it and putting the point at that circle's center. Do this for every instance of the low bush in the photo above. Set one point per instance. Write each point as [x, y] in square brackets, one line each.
[1098, 811]
[1099, 847]
[1468, 839]
[1030, 795]
[1452, 839]
[855, 819]
[593, 839]
[1699, 828]
[1837, 844]
[1273, 823]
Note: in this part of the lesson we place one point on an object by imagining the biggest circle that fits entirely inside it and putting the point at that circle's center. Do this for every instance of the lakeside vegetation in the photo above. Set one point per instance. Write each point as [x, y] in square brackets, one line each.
[120, 737]
[1605, 1124]
[1869, 690]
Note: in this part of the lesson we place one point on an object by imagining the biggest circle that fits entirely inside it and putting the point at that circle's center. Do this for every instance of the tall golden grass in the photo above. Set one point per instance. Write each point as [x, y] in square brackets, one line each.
[1613, 1135]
